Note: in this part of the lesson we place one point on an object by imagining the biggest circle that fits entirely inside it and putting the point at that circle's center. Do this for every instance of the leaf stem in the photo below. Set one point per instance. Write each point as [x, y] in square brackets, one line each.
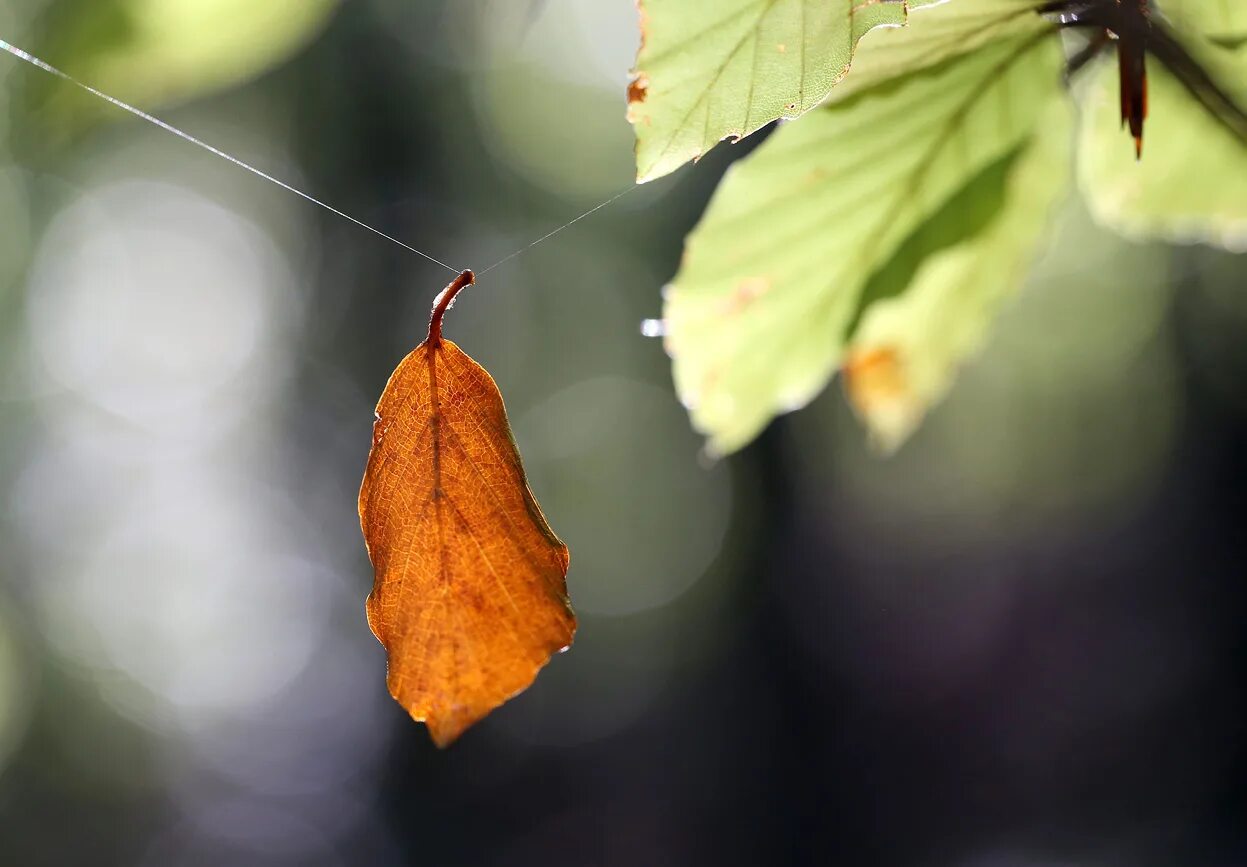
[443, 302]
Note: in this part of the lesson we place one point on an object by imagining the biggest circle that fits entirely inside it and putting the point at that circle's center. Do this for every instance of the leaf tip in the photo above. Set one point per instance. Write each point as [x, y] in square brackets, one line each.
[881, 394]
[444, 731]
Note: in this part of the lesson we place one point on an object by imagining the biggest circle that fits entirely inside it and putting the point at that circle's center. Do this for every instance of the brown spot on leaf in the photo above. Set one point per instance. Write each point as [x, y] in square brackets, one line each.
[746, 292]
[638, 89]
[709, 381]
[881, 393]
[874, 377]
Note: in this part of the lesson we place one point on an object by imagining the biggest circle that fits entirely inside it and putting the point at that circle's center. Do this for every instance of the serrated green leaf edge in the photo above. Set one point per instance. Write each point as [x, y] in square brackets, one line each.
[706, 72]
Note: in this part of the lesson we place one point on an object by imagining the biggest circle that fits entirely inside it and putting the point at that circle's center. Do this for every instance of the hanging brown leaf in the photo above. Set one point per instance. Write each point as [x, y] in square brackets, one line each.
[470, 596]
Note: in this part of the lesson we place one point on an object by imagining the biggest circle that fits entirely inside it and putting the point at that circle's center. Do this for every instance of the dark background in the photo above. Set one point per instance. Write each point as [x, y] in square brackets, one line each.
[1017, 643]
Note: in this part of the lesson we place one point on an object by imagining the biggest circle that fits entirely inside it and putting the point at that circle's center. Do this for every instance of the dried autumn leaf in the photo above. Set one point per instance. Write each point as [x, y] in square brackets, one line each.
[470, 597]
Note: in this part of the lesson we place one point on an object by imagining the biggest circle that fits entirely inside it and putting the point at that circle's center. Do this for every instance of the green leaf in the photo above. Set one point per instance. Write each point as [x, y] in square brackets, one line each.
[724, 69]
[929, 309]
[152, 52]
[1216, 19]
[935, 34]
[772, 277]
[1191, 184]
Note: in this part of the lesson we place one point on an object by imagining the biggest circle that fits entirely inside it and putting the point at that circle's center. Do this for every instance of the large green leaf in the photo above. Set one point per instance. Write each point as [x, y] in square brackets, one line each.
[929, 309]
[152, 52]
[935, 34]
[723, 69]
[1191, 184]
[772, 277]
[1217, 19]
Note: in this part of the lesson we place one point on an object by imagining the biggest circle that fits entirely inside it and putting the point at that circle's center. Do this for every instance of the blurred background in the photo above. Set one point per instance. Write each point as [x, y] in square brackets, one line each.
[1018, 643]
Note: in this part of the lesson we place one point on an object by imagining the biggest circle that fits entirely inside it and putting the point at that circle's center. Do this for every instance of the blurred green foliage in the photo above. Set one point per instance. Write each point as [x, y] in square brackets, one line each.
[1192, 185]
[154, 52]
